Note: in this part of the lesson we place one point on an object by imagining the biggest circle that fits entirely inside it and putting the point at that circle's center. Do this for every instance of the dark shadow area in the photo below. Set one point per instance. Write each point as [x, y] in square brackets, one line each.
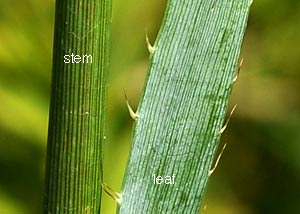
[21, 172]
[261, 165]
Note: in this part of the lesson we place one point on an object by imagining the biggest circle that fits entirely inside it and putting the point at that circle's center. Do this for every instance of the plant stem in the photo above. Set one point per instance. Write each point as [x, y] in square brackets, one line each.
[183, 106]
[78, 96]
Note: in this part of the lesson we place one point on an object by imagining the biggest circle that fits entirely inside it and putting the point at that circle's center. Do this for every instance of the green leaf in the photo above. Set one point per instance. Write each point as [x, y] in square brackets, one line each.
[183, 105]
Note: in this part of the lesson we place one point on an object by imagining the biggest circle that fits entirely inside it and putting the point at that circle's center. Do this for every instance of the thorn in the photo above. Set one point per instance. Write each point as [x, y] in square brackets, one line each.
[151, 48]
[132, 114]
[114, 195]
[217, 161]
[226, 124]
[119, 198]
[238, 71]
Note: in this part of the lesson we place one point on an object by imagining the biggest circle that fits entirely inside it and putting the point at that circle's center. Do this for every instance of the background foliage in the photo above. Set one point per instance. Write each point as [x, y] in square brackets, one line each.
[260, 168]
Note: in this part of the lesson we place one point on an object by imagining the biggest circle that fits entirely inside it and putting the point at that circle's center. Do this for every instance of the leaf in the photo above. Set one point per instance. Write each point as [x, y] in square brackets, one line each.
[183, 106]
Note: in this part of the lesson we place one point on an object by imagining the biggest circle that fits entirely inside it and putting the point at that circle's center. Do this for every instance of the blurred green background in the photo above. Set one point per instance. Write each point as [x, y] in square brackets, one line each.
[259, 172]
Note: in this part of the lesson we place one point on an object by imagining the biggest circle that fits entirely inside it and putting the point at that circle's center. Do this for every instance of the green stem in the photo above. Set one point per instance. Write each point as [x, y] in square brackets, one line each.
[183, 106]
[78, 96]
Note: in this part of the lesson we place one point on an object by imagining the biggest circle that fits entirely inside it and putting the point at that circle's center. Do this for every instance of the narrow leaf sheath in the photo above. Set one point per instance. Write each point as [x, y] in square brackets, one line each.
[183, 105]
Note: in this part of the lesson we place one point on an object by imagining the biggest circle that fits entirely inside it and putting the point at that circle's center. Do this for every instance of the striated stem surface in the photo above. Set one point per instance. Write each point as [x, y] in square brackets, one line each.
[78, 96]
